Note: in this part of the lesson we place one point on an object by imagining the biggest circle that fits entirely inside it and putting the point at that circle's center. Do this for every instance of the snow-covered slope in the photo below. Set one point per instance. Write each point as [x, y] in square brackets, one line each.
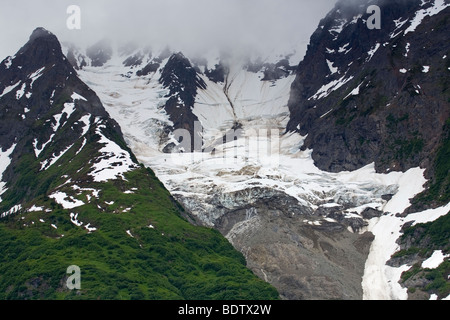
[50, 116]
[260, 174]
[74, 194]
[136, 102]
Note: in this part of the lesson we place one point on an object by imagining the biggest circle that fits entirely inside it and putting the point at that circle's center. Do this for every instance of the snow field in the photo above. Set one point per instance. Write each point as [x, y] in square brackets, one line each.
[194, 178]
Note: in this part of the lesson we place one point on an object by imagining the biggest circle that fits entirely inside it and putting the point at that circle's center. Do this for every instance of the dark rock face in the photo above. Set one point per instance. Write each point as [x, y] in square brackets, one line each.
[277, 71]
[135, 60]
[303, 261]
[100, 53]
[42, 75]
[217, 74]
[378, 96]
[182, 81]
[38, 83]
[149, 68]
[77, 59]
[271, 71]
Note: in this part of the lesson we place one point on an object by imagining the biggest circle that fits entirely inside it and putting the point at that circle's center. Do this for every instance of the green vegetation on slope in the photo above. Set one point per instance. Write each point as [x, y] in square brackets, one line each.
[422, 240]
[142, 248]
[161, 257]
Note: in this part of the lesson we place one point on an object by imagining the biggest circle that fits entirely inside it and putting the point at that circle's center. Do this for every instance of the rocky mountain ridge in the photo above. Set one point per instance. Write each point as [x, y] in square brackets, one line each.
[73, 193]
[366, 95]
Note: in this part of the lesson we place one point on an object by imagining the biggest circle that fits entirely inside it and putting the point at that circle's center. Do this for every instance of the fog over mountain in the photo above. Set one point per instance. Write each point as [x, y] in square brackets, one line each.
[182, 24]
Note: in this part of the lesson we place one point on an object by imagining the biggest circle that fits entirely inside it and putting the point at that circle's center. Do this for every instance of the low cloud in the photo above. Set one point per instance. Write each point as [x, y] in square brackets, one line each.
[181, 24]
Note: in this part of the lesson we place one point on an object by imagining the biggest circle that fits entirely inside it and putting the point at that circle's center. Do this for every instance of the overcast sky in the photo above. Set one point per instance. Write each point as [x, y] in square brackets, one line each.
[178, 23]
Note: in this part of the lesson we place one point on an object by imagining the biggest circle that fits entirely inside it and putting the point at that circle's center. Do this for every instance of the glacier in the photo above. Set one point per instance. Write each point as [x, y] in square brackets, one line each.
[214, 186]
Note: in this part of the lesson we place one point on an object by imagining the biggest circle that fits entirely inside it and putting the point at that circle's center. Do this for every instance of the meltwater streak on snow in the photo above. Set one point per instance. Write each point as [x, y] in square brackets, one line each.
[255, 104]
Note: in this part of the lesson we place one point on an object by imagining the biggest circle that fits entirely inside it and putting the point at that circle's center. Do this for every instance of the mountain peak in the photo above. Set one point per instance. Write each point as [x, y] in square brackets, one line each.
[41, 33]
[43, 48]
